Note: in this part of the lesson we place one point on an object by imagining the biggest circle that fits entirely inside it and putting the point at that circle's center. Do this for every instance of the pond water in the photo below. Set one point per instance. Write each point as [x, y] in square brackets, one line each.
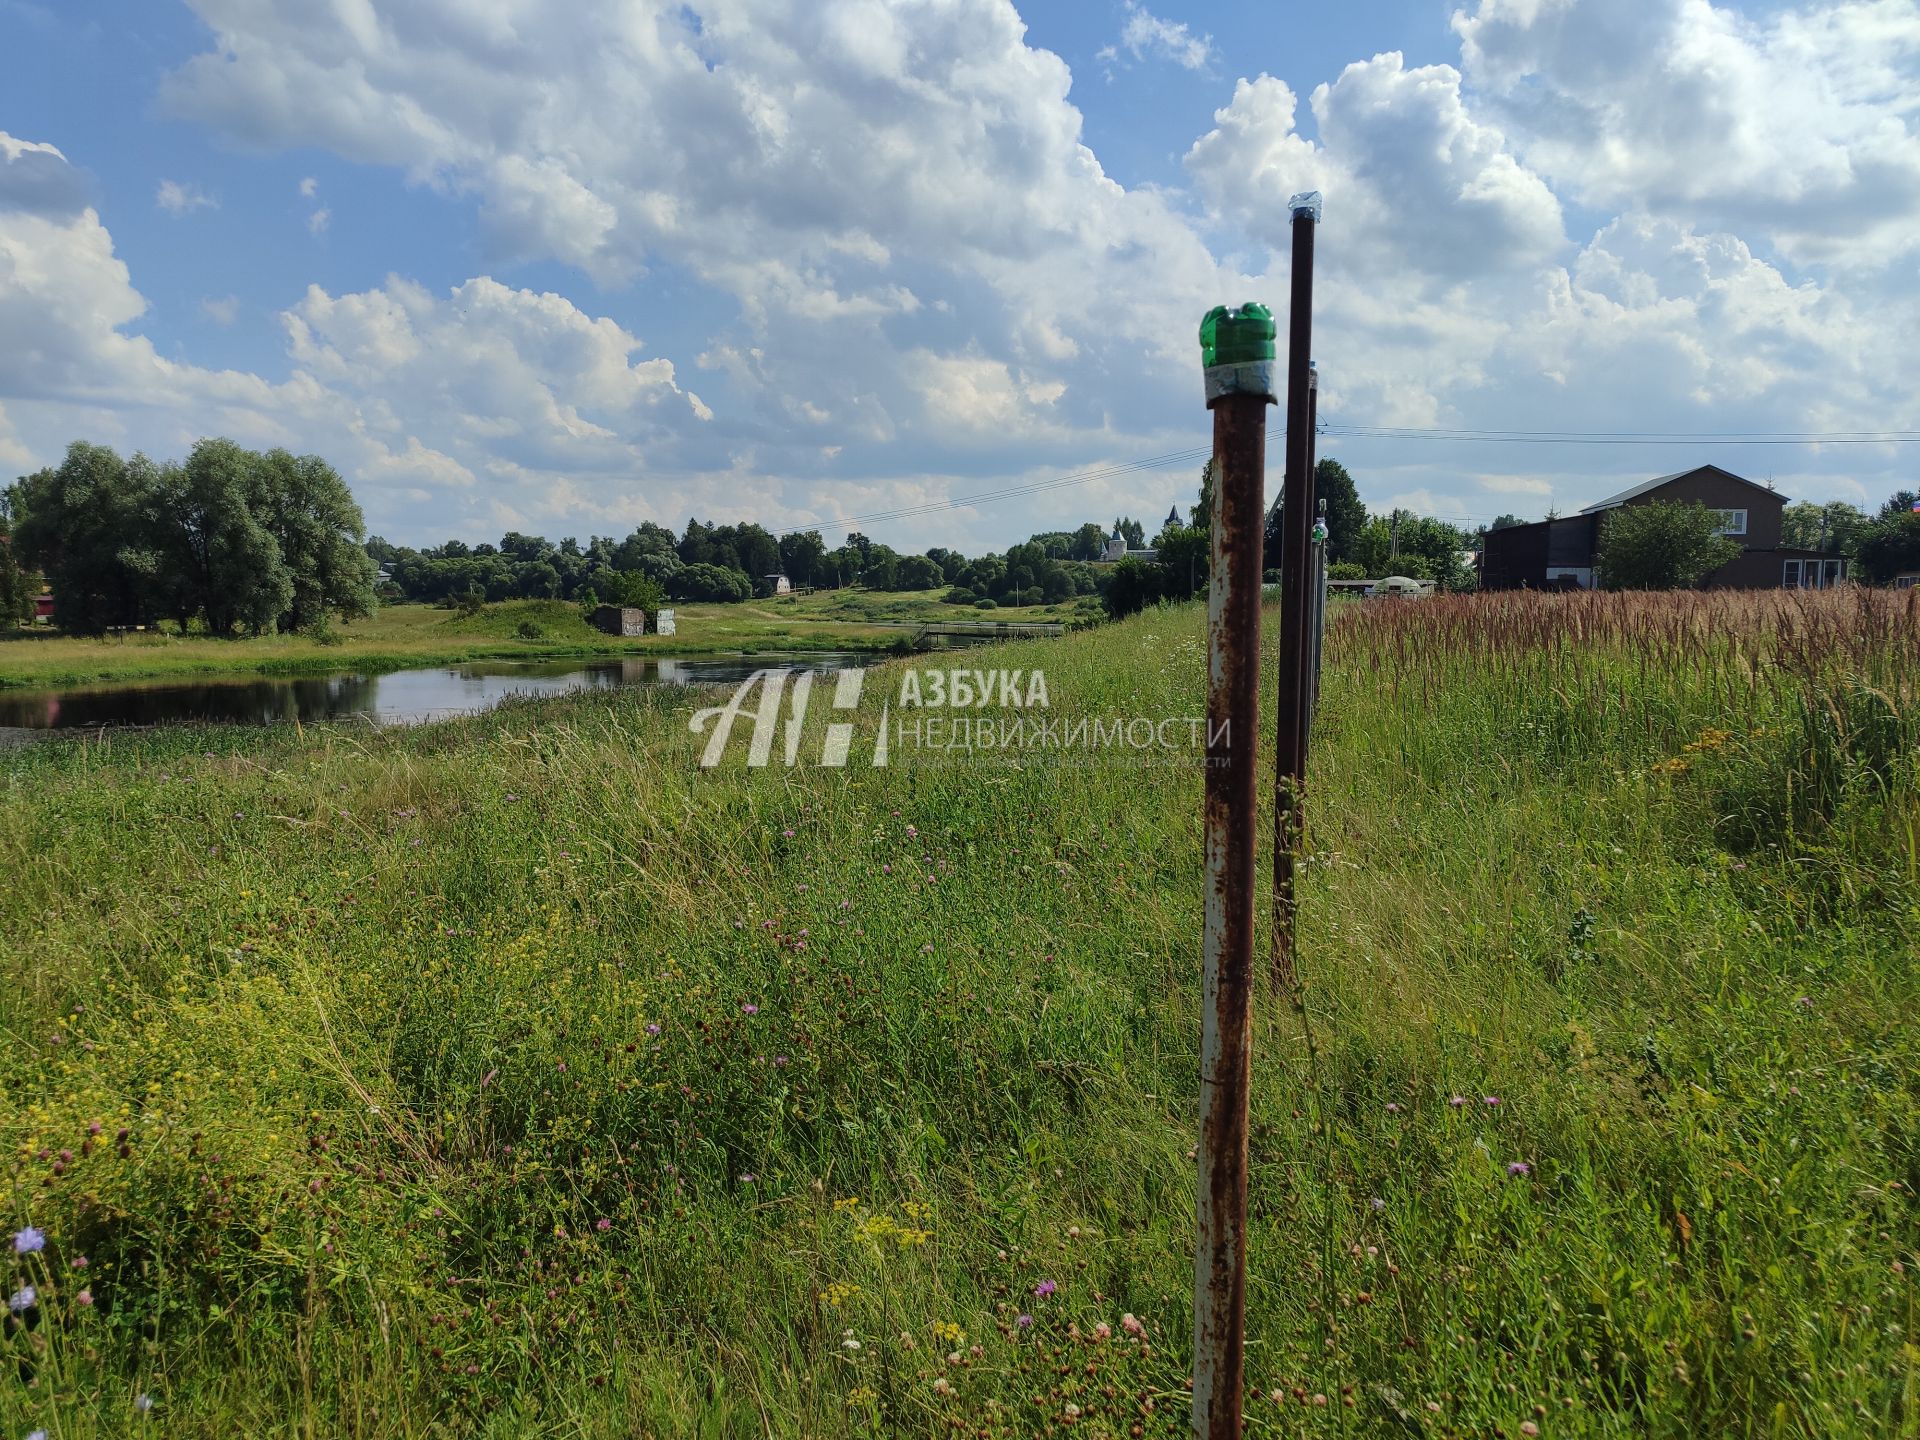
[431, 692]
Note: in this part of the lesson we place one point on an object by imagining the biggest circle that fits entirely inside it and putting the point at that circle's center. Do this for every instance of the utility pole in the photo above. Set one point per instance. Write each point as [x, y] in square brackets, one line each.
[1393, 530]
[1236, 353]
[1296, 580]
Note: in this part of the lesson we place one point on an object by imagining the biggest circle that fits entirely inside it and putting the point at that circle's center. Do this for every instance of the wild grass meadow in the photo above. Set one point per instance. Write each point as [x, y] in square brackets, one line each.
[514, 1077]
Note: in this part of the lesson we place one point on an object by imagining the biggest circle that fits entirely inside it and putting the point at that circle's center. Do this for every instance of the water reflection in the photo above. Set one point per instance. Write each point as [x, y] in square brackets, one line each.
[399, 697]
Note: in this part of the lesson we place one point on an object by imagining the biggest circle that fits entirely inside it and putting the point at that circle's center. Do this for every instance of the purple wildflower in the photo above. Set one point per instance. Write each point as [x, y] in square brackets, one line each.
[749, 1009]
[1456, 1101]
[1519, 1167]
[1025, 1322]
[1045, 1288]
[29, 1241]
[1489, 1099]
[22, 1299]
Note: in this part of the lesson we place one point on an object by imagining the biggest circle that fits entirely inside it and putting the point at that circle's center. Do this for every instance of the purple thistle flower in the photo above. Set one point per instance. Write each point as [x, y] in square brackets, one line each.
[1045, 1288]
[1519, 1167]
[29, 1241]
[653, 1029]
[1456, 1101]
[1025, 1322]
[1490, 1099]
[749, 1009]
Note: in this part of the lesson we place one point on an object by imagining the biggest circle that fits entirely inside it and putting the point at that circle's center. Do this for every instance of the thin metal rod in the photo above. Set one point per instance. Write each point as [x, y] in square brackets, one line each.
[1318, 600]
[1296, 524]
[1232, 815]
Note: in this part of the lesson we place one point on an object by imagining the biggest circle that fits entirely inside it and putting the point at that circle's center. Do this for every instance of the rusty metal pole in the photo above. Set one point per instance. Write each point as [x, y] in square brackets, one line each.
[1296, 573]
[1237, 354]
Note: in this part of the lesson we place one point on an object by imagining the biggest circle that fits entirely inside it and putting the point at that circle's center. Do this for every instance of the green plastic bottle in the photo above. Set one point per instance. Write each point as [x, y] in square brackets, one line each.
[1236, 335]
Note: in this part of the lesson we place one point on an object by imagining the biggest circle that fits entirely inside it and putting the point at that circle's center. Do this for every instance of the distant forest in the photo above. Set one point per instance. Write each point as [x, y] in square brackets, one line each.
[235, 541]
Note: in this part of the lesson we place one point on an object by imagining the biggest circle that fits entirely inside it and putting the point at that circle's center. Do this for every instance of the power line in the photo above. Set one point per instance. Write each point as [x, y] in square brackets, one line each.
[1600, 437]
[1061, 482]
[1353, 431]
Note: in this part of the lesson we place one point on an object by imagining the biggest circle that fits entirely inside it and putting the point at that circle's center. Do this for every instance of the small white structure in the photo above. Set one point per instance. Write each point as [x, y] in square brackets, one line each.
[776, 584]
[663, 622]
[1404, 587]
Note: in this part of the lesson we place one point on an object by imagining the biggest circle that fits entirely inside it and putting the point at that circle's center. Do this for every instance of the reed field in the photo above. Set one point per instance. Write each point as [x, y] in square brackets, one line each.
[517, 1077]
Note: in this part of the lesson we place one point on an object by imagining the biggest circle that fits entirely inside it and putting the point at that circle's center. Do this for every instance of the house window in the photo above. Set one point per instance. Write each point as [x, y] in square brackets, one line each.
[1732, 522]
[1790, 575]
[1831, 572]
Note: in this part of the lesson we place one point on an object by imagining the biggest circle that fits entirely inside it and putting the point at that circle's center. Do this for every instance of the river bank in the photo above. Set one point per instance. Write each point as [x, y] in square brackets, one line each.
[405, 636]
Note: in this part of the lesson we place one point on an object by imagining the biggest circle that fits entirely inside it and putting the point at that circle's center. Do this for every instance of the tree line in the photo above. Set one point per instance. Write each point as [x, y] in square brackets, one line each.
[720, 563]
[230, 540]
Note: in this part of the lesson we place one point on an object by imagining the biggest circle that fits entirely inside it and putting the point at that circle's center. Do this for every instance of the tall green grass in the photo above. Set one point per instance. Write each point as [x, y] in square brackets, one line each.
[515, 1077]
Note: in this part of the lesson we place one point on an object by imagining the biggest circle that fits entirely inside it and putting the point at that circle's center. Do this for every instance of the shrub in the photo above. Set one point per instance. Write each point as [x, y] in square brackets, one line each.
[1661, 547]
[530, 630]
[1346, 570]
[709, 582]
[985, 604]
[960, 595]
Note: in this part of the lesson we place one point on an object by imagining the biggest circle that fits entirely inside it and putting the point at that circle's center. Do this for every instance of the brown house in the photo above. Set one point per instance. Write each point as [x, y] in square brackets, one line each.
[1559, 554]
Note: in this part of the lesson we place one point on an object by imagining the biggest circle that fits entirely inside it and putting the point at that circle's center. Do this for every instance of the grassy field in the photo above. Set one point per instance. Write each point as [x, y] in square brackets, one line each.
[403, 635]
[514, 1077]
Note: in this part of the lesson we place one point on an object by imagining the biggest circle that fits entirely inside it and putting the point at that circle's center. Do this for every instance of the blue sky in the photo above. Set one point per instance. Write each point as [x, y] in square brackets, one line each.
[798, 263]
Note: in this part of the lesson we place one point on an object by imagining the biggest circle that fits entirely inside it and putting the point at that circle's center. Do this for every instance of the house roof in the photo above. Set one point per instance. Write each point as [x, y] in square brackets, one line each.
[1636, 491]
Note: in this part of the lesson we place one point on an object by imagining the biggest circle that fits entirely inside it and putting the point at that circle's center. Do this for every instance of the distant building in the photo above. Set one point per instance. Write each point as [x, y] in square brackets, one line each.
[1117, 551]
[1174, 522]
[1559, 554]
[43, 606]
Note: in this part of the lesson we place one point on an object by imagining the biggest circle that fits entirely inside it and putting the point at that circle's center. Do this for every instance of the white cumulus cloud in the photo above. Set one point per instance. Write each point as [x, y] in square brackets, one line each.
[178, 199]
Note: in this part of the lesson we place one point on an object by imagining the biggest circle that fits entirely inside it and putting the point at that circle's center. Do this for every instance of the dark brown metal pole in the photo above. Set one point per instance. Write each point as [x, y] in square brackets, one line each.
[1296, 574]
[1239, 390]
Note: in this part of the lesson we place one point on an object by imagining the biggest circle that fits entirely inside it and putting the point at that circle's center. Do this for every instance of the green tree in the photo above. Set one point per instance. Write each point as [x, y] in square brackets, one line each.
[1132, 531]
[1202, 517]
[1132, 585]
[1889, 547]
[1346, 516]
[702, 581]
[313, 518]
[1834, 528]
[1659, 546]
[87, 526]
[918, 572]
[1186, 552]
[800, 556]
[18, 585]
[1088, 541]
[223, 558]
[636, 590]
[1901, 502]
